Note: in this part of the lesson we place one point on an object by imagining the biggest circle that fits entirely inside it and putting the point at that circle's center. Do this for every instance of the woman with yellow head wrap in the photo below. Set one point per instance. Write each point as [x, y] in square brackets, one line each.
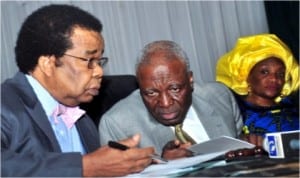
[262, 72]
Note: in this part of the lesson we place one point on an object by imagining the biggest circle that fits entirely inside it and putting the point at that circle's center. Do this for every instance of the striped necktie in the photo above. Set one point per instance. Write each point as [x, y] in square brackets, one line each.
[182, 136]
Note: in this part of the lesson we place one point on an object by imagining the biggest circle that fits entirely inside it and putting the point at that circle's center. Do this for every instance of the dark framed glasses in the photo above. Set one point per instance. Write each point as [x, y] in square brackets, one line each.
[92, 61]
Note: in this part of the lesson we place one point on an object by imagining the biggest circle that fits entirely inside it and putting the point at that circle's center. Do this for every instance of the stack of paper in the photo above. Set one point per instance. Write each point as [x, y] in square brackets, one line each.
[175, 166]
[203, 152]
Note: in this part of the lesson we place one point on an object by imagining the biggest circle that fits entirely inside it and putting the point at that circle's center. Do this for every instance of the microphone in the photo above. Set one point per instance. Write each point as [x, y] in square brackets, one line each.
[282, 144]
[294, 144]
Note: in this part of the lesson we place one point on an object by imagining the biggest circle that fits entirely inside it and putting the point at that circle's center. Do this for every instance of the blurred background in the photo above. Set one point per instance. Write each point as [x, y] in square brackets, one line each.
[205, 29]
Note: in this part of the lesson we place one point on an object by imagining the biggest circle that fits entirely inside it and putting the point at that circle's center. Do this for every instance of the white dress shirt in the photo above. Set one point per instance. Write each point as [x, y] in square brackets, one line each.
[193, 127]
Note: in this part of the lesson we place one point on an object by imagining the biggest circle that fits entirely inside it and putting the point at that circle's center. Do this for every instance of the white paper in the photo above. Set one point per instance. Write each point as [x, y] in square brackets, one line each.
[221, 144]
[175, 166]
[204, 151]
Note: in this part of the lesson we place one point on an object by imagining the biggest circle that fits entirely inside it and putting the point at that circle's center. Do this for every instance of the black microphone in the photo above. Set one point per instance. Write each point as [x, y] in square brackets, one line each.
[282, 144]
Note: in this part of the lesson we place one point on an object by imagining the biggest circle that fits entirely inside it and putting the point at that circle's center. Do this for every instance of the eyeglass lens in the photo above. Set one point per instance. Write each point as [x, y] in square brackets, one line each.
[101, 62]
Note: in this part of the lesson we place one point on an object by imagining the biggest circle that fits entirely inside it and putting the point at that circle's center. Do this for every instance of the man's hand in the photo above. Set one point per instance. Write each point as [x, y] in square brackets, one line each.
[174, 150]
[252, 138]
[107, 161]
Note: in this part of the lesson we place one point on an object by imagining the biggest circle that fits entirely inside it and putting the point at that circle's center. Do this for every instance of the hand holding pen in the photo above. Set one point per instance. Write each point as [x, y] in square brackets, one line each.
[119, 146]
[118, 163]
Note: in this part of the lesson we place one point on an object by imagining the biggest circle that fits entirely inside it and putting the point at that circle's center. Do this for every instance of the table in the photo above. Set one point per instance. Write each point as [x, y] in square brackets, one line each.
[262, 166]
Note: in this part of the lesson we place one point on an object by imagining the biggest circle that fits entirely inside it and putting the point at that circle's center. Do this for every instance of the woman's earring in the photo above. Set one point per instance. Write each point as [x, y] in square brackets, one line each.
[249, 90]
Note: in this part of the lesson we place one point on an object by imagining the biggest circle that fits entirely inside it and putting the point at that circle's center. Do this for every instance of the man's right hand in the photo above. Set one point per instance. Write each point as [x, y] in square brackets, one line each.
[110, 162]
[174, 150]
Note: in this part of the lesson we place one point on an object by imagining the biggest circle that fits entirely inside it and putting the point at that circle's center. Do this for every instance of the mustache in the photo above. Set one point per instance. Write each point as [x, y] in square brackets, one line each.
[166, 110]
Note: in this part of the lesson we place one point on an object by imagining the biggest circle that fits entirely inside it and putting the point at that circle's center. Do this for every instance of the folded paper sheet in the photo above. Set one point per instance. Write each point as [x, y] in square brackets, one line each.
[203, 152]
[175, 166]
[221, 144]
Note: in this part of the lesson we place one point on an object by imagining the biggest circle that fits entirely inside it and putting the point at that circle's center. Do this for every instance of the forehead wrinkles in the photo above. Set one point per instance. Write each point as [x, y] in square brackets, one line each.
[160, 75]
[164, 77]
[159, 69]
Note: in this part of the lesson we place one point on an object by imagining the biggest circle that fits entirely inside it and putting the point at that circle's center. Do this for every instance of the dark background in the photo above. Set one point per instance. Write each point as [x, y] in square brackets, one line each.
[283, 20]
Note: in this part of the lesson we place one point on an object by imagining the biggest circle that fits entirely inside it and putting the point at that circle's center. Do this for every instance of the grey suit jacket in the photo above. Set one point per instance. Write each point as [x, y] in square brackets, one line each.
[213, 102]
[28, 143]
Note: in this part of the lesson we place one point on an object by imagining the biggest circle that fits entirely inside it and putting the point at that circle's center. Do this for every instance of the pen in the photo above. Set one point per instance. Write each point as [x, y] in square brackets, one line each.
[117, 145]
[120, 146]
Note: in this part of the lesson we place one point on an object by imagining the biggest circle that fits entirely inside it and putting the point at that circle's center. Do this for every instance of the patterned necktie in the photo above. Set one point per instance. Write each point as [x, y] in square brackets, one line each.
[69, 115]
[182, 136]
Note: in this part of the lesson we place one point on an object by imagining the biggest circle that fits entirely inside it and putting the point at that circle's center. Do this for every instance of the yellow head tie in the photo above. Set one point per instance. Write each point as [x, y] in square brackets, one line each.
[233, 67]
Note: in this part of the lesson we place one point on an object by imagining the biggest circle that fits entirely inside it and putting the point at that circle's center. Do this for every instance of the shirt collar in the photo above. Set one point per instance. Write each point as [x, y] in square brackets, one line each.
[44, 97]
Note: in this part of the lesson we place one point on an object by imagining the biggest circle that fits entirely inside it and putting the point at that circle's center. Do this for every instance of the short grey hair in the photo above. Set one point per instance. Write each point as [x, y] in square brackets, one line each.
[170, 47]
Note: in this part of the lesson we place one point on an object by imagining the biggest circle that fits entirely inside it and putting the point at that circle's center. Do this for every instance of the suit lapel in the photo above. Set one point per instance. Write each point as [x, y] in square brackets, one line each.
[159, 134]
[212, 122]
[85, 129]
[38, 115]
[162, 133]
[34, 108]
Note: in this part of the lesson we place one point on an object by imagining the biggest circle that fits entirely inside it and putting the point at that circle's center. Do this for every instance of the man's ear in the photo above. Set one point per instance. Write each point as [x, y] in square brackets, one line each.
[46, 64]
[191, 79]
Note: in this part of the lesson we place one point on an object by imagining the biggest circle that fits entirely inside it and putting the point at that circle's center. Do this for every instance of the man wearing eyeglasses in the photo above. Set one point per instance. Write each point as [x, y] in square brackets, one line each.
[43, 132]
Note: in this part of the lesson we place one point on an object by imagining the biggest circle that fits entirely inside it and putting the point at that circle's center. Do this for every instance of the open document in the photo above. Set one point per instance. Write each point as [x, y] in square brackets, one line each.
[221, 144]
[203, 152]
[175, 166]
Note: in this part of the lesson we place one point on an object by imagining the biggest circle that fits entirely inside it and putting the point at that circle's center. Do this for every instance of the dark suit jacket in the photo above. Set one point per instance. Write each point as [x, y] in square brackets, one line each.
[28, 143]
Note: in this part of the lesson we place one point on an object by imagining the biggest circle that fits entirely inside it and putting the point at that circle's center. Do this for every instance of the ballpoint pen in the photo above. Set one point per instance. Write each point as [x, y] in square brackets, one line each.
[120, 146]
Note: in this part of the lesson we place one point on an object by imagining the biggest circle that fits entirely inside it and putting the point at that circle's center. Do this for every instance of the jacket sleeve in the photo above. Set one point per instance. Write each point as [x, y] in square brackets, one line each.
[15, 164]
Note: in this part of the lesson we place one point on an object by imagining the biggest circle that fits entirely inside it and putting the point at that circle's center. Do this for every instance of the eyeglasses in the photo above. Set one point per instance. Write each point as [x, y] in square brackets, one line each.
[100, 61]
